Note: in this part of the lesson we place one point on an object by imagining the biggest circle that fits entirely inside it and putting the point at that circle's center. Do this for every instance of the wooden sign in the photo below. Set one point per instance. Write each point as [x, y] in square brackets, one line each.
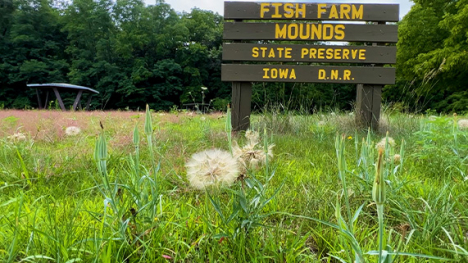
[310, 32]
[369, 80]
[311, 74]
[308, 53]
[311, 11]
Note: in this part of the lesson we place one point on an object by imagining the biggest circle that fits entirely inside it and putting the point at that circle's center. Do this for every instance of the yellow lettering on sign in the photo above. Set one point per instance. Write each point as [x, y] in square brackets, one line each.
[277, 14]
[333, 13]
[274, 73]
[313, 53]
[344, 11]
[292, 31]
[263, 51]
[329, 53]
[304, 52]
[322, 74]
[265, 71]
[321, 9]
[345, 53]
[280, 50]
[337, 53]
[281, 73]
[281, 32]
[307, 31]
[300, 10]
[255, 52]
[339, 32]
[272, 53]
[293, 74]
[289, 10]
[362, 54]
[264, 9]
[283, 10]
[310, 31]
[340, 11]
[327, 31]
[354, 53]
[316, 31]
[358, 13]
[334, 74]
[347, 74]
[320, 53]
[287, 52]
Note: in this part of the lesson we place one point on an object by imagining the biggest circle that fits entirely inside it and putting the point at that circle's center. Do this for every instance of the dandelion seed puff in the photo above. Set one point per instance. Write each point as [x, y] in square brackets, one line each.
[202, 118]
[72, 131]
[396, 158]
[321, 123]
[463, 124]
[211, 167]
[432, 118]
[381, 145]
[16, 137]
[252, 136]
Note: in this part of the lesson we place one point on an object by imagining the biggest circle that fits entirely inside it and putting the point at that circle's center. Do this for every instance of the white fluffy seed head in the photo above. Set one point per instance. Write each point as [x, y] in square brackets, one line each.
[463, 124]
[72, 131]
[381, 145]
[211, 167]
[252, 155]
[16, 137]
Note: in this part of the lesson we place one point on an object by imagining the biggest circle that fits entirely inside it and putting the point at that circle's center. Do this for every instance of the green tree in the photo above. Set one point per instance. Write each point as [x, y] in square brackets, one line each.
[432, 56]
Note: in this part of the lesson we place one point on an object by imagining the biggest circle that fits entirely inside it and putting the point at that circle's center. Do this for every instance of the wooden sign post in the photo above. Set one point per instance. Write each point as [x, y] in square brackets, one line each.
[307, 62]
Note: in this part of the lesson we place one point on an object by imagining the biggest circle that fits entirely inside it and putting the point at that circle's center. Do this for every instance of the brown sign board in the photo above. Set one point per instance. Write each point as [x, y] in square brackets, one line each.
[311, 11]
[309, 53]
[310, 74]
[310, 32]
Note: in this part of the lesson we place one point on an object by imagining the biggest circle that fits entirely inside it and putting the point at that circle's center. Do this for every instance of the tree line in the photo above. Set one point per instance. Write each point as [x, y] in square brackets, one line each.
[135, 54]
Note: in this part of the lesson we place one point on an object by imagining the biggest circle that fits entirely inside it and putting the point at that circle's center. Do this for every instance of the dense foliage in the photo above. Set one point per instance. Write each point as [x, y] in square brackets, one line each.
[432, 61]
[135, 54]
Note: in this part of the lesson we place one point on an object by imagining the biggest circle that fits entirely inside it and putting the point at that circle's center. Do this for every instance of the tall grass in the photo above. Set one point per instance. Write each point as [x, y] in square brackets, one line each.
[119, 194]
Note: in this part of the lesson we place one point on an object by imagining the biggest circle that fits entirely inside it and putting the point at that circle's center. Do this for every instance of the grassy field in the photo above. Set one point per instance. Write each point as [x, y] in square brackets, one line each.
[113, 193]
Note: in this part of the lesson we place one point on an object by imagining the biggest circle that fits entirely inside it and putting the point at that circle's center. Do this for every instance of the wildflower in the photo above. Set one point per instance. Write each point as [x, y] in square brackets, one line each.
[166, 257]
[321, 123]
[396, 158]
[381, 144]
[463, 124]
[252, 155]
[432, 118]
[204, 88]
[350, 137]
[72, 131]
[16, 137]
[211, 167]
[202, 118]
